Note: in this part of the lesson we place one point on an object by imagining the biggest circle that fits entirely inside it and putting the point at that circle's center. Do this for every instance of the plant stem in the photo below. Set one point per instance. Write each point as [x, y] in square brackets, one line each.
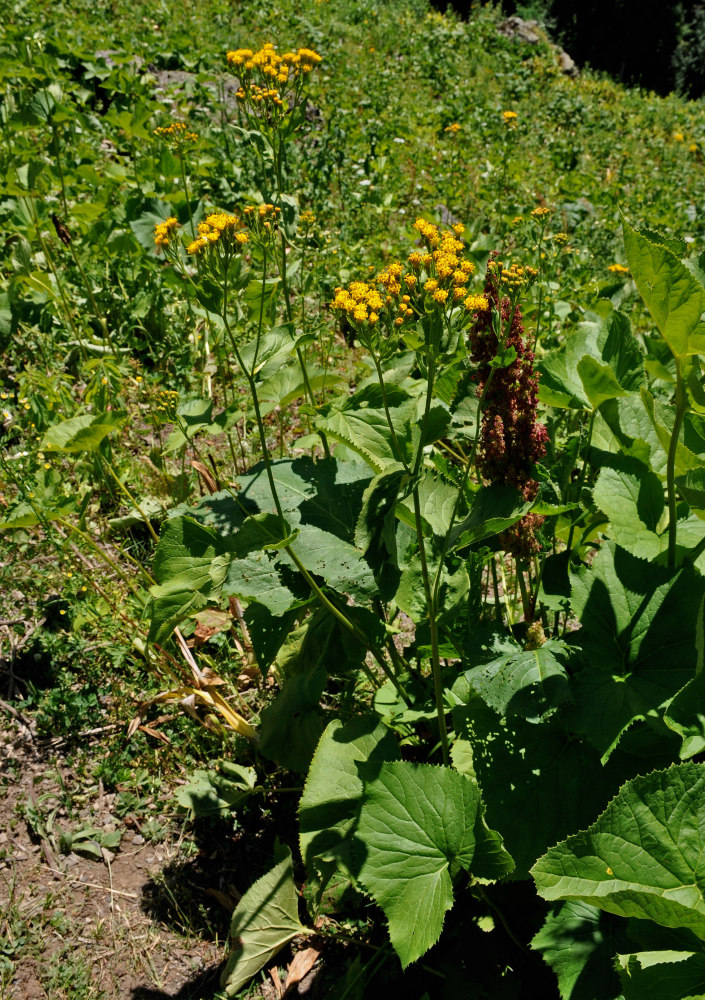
[344, 621]
[94, 305]
[121, 485]
[277, 151]
[428, 590]
[581, 480]
[398, 453]
[681, 406]
[188, 200]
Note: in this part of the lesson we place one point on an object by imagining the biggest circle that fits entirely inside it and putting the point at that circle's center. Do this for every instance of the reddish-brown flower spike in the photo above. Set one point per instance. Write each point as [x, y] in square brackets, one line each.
[511, 439]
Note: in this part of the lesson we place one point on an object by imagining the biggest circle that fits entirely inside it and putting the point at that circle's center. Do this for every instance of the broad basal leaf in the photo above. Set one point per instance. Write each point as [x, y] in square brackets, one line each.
[601, 360]
[672, 295]
[415, 823]
[528, 683]
[662, 975]
[331, 800]
[538, 782]
[579, 941]
[631, 496]
[643, 857]
[637, 642]
[83, 433]
[264, 921]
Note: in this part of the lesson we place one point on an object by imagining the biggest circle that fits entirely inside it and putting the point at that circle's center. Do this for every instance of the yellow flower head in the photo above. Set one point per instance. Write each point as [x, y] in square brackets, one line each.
[268, 79]
[177, 135]
[164, 231]
[618, 269]
[477, 303]
[510, 118]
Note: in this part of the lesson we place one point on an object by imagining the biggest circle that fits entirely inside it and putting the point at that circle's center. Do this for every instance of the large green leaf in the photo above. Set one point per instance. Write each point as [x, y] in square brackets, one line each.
[190, 563]
[415, 823]
[330, 804]
[578, 942]
[256, 578]
[287, 385]
[436, 500]
[631, 496]
[637, 641]
[600, 361]
[663, 975]
[365, 432]
[293, 723]
[264, 921]
[643, 857]
[538, 782]
[495, 508]
[685, 715]
[672, 295]
[265, 355]
[83, 433]
[529, 683]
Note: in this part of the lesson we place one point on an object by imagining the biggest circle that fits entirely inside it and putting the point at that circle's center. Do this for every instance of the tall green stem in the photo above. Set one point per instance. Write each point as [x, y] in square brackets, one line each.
[681, 406]
[188, 200]
[335, 611]
[277, 153]
[581, 480]
[428, 590]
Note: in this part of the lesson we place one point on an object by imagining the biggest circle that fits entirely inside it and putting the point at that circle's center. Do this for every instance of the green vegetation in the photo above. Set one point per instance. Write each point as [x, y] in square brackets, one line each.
[353, 470]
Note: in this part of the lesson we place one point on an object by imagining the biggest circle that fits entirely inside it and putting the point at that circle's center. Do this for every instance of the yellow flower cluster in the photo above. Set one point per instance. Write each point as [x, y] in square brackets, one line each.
[262, 221]
[560, 238]
[510, 118]
[166, 400]
[447, 272]
[176, 134]
[307, 219]
[164, 231]
[270, 65]
[618, 269]
[432, 280]
[540, 211]
[220, 230]
[361, 302]
[477, 303]
[453, 129]
[266, 78]
[514, 277]
[679, 137]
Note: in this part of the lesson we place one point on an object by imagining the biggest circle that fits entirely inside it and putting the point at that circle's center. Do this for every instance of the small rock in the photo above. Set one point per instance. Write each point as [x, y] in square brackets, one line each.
[138, 840]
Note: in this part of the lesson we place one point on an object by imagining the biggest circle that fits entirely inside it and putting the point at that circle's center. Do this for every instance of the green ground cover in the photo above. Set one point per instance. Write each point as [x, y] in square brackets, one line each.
[352, 491]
